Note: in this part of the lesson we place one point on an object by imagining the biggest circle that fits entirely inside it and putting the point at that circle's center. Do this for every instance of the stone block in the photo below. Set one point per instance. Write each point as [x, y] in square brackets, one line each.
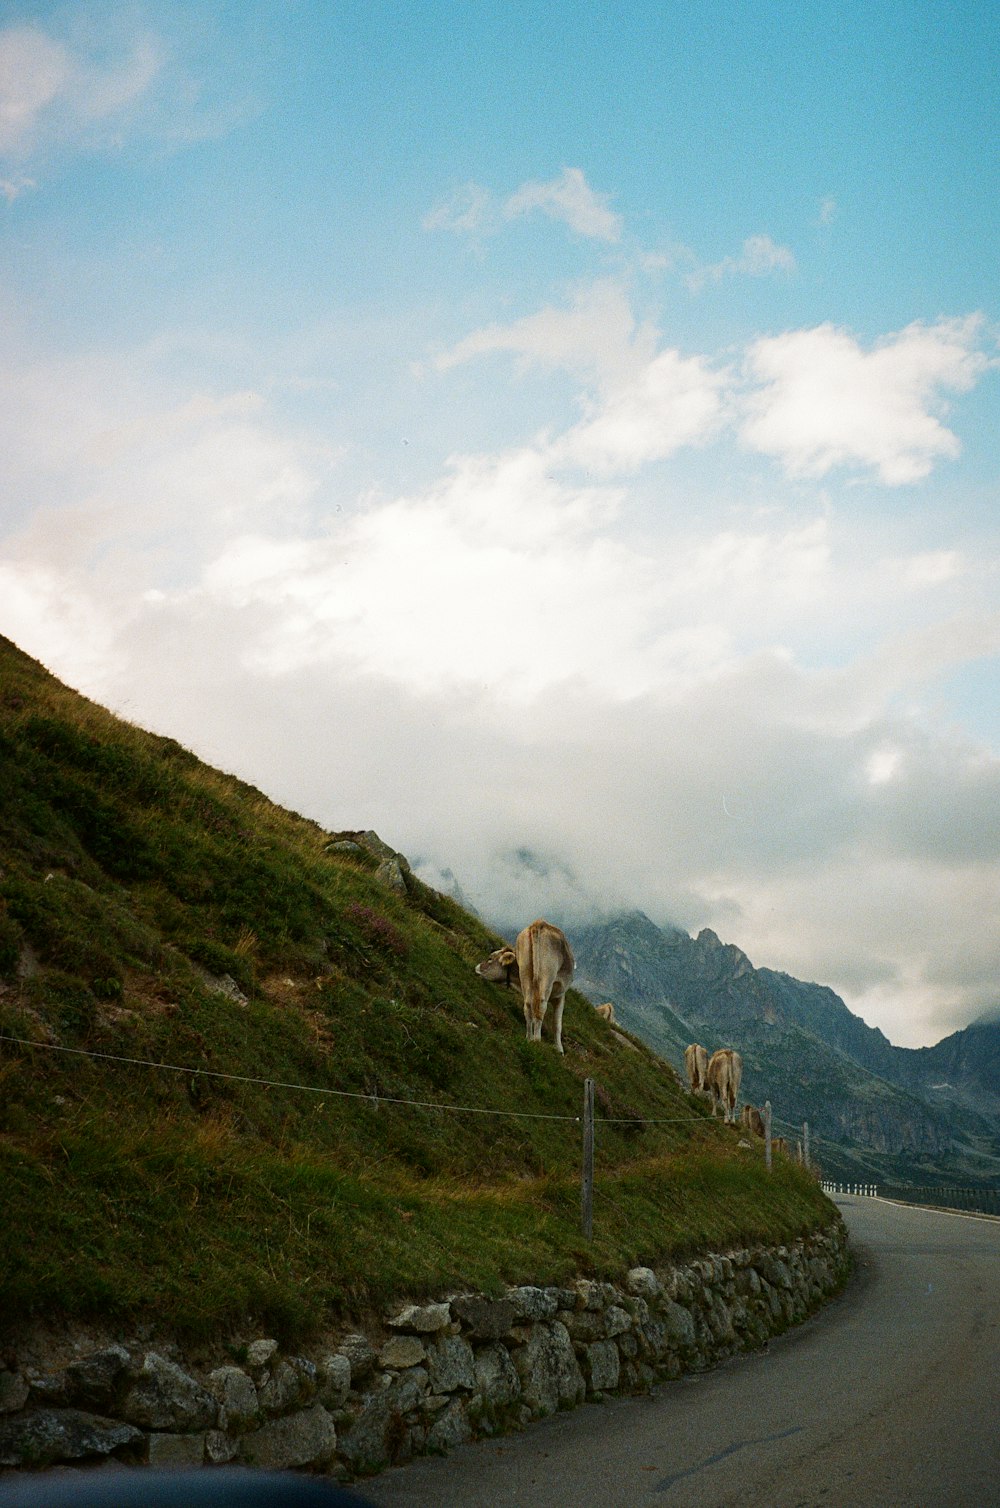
[451, 1428]
[306, 1438]
[642, 1283]
[451, 1365]
[14, 1391]
[176, 1450]
[41, 1437]
[548, 1370]
[482, 1318]
[422, 1319]
[333, 1380]
[239, 1406]
[496, 1377]
[532, 1304]
[601, 1366]
[402, 1351]
[162, 1396]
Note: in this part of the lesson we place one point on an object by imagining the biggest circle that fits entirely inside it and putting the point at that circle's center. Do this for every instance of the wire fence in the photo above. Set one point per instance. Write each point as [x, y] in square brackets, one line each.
[795, 1144]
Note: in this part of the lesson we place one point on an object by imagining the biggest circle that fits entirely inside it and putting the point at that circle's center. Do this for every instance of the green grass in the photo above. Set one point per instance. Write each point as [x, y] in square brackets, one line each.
[207, 1205]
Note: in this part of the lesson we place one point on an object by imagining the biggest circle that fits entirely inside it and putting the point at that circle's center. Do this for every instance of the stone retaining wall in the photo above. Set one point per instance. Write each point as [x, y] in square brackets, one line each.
[437, 1375]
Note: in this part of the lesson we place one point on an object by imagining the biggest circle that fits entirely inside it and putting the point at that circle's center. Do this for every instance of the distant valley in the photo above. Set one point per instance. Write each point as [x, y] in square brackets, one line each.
[924, 1115]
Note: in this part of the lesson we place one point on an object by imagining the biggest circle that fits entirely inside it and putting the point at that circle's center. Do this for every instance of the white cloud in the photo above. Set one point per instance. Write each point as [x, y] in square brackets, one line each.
[50, 92]
[759, 257]
[674, 401]
[571, 199]
[822, 401]
[34, 71]
[500, 657]
[595, 338]
[468, 211]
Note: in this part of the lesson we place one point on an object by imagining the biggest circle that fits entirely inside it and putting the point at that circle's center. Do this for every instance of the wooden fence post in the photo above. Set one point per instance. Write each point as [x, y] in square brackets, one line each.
[767, 1134]
[805, 1145]
[587, 1187]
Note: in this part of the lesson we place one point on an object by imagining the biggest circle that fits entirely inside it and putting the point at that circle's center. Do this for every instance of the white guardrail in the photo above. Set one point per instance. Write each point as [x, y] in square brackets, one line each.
[866, 1190]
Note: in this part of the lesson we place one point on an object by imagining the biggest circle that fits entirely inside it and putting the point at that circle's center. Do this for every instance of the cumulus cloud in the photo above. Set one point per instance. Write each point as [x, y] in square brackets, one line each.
[822, 401]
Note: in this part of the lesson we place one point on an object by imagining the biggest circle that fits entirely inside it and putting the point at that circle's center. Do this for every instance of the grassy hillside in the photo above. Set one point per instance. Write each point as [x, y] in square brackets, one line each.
[157, 911]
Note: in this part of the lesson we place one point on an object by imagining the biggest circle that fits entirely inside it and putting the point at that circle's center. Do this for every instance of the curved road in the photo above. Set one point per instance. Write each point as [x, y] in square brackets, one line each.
[890, 1398]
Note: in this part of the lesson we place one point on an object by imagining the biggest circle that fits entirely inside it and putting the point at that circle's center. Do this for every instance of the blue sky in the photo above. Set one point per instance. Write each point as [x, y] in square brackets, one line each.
[548, 426]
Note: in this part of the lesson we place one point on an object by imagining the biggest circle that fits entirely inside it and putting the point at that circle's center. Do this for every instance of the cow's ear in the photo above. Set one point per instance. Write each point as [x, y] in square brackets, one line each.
[507, 956]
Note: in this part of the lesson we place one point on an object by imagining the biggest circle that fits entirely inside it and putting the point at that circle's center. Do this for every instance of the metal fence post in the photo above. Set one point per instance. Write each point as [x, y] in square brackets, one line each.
[587, 1187]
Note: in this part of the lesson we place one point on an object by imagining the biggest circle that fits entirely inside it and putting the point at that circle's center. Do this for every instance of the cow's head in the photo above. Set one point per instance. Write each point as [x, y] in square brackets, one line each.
[500, 967]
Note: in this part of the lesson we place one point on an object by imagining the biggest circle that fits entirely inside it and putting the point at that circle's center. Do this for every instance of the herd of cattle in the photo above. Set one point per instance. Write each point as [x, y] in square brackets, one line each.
[540, 967]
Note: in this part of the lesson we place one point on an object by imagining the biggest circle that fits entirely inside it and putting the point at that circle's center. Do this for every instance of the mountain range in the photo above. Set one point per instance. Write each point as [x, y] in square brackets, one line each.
[874, 1110]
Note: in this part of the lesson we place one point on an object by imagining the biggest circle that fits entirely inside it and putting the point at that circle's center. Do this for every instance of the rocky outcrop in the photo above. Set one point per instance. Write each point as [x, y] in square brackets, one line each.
[438, 1373]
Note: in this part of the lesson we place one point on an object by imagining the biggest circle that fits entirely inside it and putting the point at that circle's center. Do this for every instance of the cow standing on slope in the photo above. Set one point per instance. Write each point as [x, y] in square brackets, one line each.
[540, 966]
[696, 1066]
[725, 1070]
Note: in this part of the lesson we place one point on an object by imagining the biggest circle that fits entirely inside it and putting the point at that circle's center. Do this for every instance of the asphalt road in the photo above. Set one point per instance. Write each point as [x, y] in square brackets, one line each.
[890, 1398]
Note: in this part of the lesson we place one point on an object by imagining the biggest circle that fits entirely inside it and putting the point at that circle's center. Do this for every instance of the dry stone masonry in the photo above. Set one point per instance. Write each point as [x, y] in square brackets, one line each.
[439, 1374]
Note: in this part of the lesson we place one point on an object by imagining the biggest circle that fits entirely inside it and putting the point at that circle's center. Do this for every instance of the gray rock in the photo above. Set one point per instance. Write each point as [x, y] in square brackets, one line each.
[532, 1303]
[451, 1365]
[14, 1391]
[48, 1388]
[591, 1295]
[306, 1438]
[601, 1366]
[642, 1283]
[679, 1327]
[585, 1325]
[774, 1271]
[496, 1377]
[365, 1445]
[409, 1390]
[360, 1353]
[162, 1396]
[402, 1351]
[450, 1428]
[482, 1318]
[239, 1407]
[42, 1436]
[260, 1352]
[94, 1380]
[219, 1447]
[176, 1450]
[333, 1380]
[617, 1321]
[422, 1319]
[547, 1367]
[292, 1384]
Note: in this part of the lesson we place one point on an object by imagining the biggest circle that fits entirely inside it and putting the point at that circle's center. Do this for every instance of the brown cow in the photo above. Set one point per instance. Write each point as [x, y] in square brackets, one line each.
[540, 966]
[607, 1011]
[725, 1069]
[696, 1065]
[752, 1119]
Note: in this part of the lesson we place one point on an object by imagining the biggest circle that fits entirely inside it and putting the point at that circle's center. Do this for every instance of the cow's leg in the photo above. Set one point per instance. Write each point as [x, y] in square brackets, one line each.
[557, 1001]
[534, 1013]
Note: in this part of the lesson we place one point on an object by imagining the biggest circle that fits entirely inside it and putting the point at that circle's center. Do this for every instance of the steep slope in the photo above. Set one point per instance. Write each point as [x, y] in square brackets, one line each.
[248, 1075]
[802, 1049]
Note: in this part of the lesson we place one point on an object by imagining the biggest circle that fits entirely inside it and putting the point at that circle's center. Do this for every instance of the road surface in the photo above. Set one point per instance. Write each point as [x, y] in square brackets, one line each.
[890, 1398]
